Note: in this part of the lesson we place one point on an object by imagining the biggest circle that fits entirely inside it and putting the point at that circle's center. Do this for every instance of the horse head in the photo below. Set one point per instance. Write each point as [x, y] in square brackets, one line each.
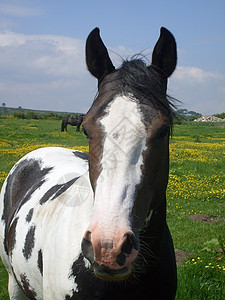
[128, 127]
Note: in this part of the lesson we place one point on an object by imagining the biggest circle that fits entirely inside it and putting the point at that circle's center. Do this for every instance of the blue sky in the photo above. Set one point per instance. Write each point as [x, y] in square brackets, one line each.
[42, 63]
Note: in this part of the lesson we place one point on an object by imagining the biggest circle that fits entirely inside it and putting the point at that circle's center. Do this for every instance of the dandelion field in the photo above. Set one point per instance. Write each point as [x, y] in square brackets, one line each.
[196, 187]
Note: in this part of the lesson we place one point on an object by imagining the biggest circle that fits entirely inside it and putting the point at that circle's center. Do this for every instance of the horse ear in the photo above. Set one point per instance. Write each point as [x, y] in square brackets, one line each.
[97, 58]
[164, 56]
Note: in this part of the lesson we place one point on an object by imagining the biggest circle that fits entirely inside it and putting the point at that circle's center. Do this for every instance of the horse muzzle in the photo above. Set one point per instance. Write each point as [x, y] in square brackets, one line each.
[111, 262]
[105, 273]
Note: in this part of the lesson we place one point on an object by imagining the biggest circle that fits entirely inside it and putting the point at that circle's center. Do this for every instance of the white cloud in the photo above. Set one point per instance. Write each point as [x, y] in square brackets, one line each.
[47, 54]
[198, 89]
[49, 72]
[40, 71]
[196, 74]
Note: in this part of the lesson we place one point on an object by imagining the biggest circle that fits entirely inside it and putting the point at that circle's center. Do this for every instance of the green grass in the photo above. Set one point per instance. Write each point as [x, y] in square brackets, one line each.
[196, 186]
[3, 282]
[18, 137]
[200, 281]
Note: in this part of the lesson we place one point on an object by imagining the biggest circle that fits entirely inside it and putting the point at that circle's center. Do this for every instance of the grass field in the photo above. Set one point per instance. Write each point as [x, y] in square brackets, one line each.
[196, 187]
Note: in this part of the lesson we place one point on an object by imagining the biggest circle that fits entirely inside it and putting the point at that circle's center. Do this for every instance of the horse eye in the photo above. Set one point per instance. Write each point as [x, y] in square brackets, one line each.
[163, 131]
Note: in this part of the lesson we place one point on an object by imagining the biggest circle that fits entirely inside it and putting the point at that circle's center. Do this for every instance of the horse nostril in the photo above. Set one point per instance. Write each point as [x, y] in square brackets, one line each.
[135, 242]
[121, 259]
[129, 244]
[86, 247]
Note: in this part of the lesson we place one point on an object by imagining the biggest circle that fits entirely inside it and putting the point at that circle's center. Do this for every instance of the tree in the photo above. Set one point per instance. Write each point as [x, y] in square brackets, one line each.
[4, 108]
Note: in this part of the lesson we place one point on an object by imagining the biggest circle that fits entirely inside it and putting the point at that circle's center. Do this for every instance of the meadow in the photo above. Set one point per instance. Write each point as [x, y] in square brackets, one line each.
[196, 189]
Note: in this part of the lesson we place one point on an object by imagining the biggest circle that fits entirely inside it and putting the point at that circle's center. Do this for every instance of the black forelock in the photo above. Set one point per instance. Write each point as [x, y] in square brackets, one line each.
[147, 84]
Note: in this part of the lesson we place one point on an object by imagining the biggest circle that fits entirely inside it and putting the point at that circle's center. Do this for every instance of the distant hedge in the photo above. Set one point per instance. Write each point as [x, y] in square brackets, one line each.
[37, 116]
[222, 115]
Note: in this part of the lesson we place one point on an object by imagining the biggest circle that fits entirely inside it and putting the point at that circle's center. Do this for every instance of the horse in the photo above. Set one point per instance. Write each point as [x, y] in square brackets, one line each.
[93, 226]
[77, 121]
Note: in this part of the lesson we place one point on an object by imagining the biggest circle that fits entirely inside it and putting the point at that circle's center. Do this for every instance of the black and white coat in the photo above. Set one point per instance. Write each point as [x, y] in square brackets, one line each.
[41, 226]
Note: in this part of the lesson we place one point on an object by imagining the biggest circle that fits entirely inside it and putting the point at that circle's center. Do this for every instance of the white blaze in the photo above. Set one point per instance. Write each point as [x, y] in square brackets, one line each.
[125, 140]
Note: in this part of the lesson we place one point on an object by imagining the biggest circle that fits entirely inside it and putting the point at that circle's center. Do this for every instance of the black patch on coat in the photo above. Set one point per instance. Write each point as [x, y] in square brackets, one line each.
[88, 286]
[81, 155]
[26, 178]
[31, 294]
[57, 190]
[11, 236]
[29, 215]
[29, 243]
[40, 262]
[78, 267]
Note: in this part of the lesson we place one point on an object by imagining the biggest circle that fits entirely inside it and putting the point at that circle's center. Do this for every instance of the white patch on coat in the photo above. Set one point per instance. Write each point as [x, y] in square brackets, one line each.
[60, 224]
[125, 141]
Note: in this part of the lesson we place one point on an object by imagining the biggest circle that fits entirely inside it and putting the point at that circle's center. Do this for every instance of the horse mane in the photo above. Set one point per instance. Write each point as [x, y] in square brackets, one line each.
[145, 84]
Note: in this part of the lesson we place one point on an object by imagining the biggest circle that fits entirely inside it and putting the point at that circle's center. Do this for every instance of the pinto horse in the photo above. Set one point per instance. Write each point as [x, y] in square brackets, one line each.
[77, 121]
[75, 226]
